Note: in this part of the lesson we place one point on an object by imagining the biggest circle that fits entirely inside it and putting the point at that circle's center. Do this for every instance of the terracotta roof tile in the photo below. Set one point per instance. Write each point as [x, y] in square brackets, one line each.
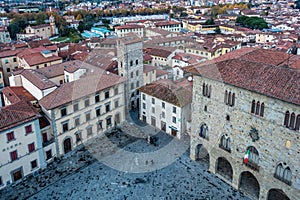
[176, 93]
[16, 94]
[38, 58]
[263, 71]
[37, 79]
[95, 81]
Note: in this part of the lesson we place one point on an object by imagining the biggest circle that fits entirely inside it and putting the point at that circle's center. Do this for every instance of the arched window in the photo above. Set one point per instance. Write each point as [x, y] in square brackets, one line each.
[279, 171]
[262, 109]
[257, 108]
[229, 99]
[283, 173]
[209, 92]
[254, 156]
[206, 90]
[286, 118]
[136, 62]
[226, 97]
[233, 99]
[292, 121]
[253, 107]
[131, 63]
[287, 175]
[203, 131]
[203, 89]
[225, 143]
[297, 123]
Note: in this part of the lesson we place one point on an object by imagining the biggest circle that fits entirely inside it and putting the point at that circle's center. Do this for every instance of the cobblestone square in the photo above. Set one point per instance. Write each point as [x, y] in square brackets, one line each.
[123, 165]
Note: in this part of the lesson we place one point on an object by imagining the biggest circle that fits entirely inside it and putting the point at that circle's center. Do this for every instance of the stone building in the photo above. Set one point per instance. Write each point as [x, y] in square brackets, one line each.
[248, 101]
[130, 66]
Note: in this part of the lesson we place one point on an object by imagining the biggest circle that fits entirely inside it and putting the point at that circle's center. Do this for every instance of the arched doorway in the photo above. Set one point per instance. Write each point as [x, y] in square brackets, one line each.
[67, 145]
[202, 155]
[275, 194]
[249, 184]
[224, 168]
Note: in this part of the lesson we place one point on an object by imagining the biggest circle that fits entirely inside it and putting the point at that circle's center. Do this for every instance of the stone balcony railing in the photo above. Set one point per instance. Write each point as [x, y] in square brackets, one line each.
[48, 142]
[252, 165]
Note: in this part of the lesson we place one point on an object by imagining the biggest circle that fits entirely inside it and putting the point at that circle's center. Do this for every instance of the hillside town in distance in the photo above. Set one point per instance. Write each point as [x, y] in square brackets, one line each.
[161, 99]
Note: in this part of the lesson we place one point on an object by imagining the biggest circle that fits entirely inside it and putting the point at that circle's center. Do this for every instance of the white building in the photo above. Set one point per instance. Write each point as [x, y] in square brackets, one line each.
[167, 105]
[21, 144]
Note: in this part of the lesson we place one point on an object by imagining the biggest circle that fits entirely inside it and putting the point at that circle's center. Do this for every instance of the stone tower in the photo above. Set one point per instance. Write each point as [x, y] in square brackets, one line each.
[130, 66]
[52, 25]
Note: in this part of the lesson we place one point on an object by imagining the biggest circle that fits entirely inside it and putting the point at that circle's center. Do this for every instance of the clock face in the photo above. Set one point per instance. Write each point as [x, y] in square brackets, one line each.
[254, 134]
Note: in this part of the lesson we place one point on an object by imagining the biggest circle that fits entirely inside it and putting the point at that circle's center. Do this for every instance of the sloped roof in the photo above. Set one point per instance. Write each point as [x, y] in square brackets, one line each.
[94, 81]
[16, 114]
[176, 93]
[268, 72]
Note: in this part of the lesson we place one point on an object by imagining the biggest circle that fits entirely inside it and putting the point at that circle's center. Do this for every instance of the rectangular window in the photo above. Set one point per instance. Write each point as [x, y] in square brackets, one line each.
[28, 129]
[97, 98]
[174, 110]
[86, 102]
[31, 147]
[1, 182]
[116, 91]
[15, 59]
[75, 107]
[163, 105]
[116, 104]
[108, 121]
[87, 117]
[106, 94]
[144, 96]
[89, 131]
[10, 136]
[13, 155]
[8, 70]
[153, 101]
[107, 107]
[98, 112]
[153, 110]
[77, 121]
[144, 106]
[65, 127]
[63, 112]
[6, 61]
[163, 114]
[174, 120]
[48, 154]
[33, 164]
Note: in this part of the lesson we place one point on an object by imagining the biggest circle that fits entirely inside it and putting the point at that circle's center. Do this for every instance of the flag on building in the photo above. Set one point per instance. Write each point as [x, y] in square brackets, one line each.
[246, 157]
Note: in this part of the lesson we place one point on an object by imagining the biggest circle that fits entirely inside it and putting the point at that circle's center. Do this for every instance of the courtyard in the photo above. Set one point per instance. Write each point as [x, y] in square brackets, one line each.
[122, 164]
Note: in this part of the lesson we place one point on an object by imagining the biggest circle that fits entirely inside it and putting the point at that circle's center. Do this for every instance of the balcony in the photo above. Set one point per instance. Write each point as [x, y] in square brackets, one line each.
[288, 182]
[225, 148]
[48, 142]
[252, 165]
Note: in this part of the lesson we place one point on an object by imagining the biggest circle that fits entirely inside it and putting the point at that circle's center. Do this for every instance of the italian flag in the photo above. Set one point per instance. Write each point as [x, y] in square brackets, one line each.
[246, 157]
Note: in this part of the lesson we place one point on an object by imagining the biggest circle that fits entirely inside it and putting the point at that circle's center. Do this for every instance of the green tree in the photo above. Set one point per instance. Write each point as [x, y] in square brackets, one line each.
[40, 18]
[81, 26]
[209, 22]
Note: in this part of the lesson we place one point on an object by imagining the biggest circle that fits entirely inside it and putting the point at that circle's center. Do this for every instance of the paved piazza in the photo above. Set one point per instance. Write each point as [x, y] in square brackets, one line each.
[123, 165]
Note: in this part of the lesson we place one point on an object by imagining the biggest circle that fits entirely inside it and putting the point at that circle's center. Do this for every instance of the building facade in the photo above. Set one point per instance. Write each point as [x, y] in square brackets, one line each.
[130, 66]
[238, 114]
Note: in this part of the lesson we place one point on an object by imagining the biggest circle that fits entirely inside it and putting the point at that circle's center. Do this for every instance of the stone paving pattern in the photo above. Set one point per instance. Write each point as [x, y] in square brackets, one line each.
[79, 175]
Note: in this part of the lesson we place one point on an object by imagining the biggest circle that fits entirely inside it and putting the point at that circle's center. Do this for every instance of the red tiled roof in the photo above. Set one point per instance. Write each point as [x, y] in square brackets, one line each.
[158, 52]
[38, 58]
[16, 114]
[263, 71]
[80, 88]
[40, 26]
[149, 68]
[9, 53]
[160, 72]
[129, 26]
[16, 94]
[176, 93]
[165, 23]
[37, 79]
[37, 43]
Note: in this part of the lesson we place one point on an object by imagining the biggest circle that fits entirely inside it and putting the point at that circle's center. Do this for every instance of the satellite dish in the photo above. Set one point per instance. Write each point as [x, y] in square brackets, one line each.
[190, 78]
